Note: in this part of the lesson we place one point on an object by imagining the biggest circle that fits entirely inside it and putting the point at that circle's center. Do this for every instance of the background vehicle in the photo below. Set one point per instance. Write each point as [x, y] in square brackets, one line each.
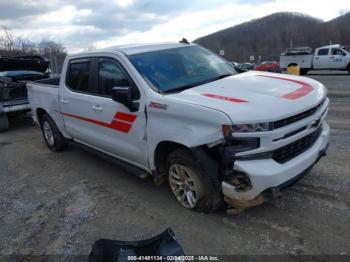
[331, 57]
[269, 66]
[180, 113]
[13, 90]
[237, 67]
[247, 66]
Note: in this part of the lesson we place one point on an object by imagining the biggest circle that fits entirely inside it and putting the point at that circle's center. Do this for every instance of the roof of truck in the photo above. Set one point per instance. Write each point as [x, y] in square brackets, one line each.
[140, 48]
[331, 46]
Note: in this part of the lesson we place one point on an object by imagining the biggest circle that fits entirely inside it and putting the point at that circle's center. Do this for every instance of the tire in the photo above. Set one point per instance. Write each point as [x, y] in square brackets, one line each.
[349, 69]
[52, 136]
[203, 189]
[303, 71]
[4, 123]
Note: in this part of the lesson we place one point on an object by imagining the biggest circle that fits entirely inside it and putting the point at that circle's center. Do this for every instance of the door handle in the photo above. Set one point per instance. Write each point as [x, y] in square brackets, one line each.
[97, 108]
[64, 101]
[316, 57]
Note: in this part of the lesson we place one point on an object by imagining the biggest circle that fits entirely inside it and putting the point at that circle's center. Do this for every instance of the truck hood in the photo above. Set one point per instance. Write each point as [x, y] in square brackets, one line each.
[256, 96]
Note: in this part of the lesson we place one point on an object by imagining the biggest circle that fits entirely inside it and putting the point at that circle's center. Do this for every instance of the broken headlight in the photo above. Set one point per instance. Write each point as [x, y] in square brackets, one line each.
[259, 127]
[241, 144]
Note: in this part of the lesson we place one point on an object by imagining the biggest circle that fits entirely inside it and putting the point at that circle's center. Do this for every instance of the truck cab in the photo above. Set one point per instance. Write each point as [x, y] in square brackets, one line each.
[331, 57]
[181, 114]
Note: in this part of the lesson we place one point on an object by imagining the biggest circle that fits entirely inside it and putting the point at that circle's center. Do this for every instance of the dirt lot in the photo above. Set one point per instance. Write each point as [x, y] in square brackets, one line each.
[60, 203]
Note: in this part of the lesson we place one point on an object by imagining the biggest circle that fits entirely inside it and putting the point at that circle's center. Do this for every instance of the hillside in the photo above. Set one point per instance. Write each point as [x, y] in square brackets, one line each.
[268, 36]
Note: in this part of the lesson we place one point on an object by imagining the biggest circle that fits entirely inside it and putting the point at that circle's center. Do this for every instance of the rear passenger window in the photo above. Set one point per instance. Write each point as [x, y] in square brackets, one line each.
[110, 74]
[78, 75]
[323, 51]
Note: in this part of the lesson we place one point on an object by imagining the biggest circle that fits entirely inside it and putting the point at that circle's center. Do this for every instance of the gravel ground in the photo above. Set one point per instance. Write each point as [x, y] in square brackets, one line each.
[60, 203]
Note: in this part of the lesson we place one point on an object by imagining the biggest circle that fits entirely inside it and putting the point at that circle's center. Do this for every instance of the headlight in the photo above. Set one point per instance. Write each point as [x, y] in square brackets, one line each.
[240, 145]
[242, 128]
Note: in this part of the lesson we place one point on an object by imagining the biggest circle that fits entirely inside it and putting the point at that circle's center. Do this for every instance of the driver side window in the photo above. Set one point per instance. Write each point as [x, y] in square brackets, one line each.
[336, 51]
[110, 74]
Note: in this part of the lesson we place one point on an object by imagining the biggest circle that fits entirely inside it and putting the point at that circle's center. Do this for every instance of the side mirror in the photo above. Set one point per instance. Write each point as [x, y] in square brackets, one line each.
[123, 95]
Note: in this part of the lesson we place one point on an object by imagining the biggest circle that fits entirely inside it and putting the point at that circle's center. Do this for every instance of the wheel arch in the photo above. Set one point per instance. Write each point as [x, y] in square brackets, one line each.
[40, 112]
[162, 151]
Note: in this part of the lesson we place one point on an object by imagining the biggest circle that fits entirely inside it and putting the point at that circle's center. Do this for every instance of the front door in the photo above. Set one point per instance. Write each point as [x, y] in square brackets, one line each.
[337, 59]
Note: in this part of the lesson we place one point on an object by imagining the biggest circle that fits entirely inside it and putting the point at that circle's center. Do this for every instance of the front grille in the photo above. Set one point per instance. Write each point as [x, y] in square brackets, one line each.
[295, 118]
[295, 148]
[13, 92]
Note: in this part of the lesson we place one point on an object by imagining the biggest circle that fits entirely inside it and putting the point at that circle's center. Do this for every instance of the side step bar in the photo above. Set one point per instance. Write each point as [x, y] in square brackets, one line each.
[140, 173]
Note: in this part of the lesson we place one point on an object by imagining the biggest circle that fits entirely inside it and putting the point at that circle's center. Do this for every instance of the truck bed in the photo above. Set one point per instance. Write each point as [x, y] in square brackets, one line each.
[43, 94]
[304, 61]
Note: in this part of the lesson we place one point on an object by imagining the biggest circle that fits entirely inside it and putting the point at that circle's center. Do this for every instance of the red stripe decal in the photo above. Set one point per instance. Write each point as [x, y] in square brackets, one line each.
[115, 124]
[230, 99]
[300, 92]
[125, 117]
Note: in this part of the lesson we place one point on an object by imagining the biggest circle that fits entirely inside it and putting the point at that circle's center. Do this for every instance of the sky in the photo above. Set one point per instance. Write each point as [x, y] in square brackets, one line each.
[83, 24]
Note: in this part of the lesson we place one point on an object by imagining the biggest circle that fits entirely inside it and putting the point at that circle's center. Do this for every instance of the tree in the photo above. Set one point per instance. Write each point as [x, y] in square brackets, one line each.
[7, 40]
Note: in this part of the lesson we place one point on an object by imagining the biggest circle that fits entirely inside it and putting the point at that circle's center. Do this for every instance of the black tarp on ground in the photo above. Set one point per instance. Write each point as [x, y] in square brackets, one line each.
[164, 244]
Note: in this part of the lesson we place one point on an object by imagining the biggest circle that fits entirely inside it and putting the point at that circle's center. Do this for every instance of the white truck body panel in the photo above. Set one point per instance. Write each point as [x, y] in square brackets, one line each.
[192, 118]
[304, 61]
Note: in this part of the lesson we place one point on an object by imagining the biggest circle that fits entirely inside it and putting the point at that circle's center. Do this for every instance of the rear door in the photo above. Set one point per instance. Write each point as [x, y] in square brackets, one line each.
[337, 59]
[93, 118]
[321, 59]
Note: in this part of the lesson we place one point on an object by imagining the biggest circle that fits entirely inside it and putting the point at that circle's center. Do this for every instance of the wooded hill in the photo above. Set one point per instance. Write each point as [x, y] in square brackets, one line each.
[269, 36]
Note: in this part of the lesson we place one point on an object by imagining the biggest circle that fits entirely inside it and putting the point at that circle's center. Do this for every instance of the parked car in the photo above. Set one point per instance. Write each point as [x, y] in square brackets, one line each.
[331, 57]
[247, 66]
[180, 113]
[269, 66]
[237, 67]
[13, 93]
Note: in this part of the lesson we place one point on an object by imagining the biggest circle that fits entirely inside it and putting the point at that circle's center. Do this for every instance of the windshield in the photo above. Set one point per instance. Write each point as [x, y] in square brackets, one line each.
[177, 69]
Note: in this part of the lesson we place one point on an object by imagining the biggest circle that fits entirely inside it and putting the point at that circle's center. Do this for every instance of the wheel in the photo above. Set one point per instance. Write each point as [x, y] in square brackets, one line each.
[52, 136]
[4, 122]
[349, 69]
[192, 187]
[303, 71]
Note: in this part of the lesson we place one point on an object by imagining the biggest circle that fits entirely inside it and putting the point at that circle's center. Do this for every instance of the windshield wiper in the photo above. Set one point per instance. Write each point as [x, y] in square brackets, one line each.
[182, 88]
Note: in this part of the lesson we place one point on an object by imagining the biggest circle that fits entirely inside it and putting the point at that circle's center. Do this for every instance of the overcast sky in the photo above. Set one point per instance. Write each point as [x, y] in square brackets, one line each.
[82, 23]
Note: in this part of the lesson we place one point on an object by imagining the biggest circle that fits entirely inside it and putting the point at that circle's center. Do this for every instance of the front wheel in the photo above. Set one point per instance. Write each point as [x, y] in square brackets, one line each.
[192, 187]
[52, 136]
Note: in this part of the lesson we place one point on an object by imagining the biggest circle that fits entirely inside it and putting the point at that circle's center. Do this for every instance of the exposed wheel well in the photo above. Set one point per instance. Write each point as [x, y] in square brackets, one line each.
[39, 114]
[162, 152]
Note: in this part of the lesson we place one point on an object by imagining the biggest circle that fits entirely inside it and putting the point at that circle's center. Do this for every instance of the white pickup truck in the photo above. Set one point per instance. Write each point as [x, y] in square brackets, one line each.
[180, 113]
[331, 57]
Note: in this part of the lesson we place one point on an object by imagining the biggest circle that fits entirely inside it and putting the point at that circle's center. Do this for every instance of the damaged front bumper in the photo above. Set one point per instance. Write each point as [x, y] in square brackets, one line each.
[268, 177]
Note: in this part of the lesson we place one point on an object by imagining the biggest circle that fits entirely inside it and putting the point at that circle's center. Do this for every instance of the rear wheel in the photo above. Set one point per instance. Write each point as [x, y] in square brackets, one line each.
[192, 187]
[303, 71]
[52, 136]
[4, 122]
